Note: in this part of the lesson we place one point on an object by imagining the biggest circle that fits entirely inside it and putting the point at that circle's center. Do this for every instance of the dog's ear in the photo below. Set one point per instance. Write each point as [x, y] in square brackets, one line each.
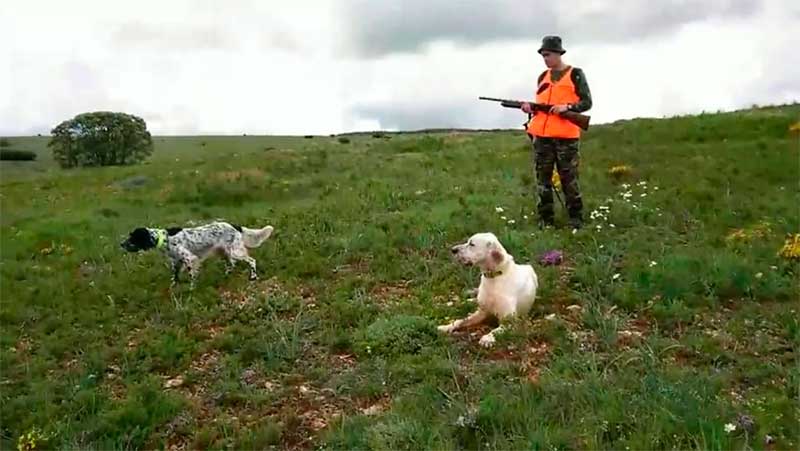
[141, 237]
[496, 256]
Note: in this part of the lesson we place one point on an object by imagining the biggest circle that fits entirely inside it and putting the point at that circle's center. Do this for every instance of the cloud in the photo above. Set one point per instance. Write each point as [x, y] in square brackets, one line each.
[173, 37]
[376, 29]
[194, 66]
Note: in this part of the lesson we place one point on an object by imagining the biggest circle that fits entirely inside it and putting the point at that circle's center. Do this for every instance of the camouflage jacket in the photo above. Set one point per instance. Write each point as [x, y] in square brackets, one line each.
[581, 86]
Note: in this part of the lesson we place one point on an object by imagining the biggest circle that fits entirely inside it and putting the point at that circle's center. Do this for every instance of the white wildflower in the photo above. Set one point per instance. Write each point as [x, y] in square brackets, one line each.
[616, 276]
[730, 427]
[625, 186]
[643, 195]
[525, 216]
[503, 218]
[652, 263]
[511, 221]
[499, 209]
[612, 226]
[759, 275]
[550, 317]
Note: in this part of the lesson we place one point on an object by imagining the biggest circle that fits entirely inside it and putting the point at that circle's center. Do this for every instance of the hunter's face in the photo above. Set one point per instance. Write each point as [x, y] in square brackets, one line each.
[551, 59]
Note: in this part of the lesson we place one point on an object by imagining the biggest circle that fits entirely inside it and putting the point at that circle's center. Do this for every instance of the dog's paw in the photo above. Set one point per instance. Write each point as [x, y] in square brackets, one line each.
[447, 328]
[487, 341]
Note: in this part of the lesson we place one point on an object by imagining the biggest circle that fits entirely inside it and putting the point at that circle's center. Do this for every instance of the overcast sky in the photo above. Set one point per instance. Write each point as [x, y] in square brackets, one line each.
[321, 66]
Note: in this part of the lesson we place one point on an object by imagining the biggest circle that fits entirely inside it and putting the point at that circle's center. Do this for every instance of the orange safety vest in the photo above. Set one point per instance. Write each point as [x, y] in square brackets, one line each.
[561, 92]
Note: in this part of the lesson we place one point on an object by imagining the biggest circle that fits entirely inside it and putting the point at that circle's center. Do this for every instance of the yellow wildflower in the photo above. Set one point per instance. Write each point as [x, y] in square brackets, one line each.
[31, 440]
[760, 230]
[791, 248]
[556, 179]
[619, 171]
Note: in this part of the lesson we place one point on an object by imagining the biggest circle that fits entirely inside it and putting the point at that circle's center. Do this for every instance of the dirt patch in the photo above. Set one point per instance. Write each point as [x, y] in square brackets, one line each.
[230, 176]
[360, 266]
[305, 411]
[633, 332]
[375, 408]
[244, 298]
[397, 290]
[530, 358]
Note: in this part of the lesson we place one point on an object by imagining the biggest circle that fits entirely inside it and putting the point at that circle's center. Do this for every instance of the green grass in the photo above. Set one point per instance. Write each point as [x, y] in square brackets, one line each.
[679, 330]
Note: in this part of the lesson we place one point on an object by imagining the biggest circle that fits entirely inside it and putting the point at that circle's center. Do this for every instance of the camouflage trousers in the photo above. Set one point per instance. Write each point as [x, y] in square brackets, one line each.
[563, 154]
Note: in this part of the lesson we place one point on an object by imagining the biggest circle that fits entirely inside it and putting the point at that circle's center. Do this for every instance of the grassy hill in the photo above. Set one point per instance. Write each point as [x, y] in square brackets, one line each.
[672, 321]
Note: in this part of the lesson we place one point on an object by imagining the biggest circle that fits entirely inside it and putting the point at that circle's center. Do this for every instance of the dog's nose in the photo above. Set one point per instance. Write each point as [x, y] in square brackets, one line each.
[454, 249]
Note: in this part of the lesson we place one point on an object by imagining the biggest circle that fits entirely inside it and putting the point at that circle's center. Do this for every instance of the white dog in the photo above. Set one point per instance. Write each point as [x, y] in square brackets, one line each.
[507, 289]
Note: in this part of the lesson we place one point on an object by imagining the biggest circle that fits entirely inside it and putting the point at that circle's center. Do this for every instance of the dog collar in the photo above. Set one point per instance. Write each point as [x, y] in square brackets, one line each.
[492, 274]
[161, 238]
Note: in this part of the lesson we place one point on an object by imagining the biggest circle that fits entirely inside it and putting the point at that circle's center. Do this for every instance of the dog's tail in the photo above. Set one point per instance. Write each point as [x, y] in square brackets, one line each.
[254, 237]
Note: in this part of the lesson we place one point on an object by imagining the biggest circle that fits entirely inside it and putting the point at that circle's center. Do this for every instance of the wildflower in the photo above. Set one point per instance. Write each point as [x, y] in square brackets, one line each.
[730, 427]
[550, 317]
[556, 179]
[511, 222]
[503, 218]
[499, 209]
[760, 230]
[791, 248]
[525, 216]
[612, 226]
[553, 257]
[643, 195]
[625, 186]
[759, 275]
[652, 263]
[616, 276]
[619, 171]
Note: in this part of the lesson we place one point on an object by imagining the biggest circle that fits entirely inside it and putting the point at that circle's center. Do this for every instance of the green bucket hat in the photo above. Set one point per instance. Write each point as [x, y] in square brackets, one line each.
[553, 44]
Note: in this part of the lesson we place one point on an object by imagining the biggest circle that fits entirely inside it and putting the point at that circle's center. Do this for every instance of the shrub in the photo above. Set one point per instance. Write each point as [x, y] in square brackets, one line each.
[101, 139]
[16, 155]
[402, 334]
[344, 140]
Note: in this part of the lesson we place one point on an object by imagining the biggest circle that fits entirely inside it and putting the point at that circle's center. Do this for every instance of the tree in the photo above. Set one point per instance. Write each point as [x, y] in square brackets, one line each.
[101, 138]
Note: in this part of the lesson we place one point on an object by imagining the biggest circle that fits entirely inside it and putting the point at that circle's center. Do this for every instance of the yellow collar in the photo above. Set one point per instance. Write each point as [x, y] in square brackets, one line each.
[492, 274]
[161, 238]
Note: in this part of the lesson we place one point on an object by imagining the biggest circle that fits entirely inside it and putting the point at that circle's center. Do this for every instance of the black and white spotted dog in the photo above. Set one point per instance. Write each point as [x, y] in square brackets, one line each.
[189, 247]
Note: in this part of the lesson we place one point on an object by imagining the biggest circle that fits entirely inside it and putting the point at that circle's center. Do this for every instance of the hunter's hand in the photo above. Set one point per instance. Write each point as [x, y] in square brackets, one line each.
[526, 107]
[558, 109]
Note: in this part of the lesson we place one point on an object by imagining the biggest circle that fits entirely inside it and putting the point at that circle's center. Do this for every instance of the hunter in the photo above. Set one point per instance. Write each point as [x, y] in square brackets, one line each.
[556, 141]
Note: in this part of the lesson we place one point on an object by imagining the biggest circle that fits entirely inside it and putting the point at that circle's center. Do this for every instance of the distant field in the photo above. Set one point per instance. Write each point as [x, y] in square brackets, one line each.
[673, 323]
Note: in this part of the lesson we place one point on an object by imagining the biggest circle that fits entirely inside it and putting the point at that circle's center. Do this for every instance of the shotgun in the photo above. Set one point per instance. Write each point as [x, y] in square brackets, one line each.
[581, 120]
